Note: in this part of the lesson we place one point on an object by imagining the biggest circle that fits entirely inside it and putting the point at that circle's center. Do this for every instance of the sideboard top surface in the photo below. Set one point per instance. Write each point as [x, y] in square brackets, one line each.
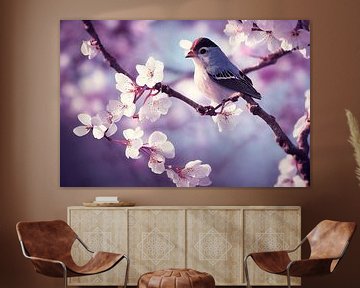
[193, 207]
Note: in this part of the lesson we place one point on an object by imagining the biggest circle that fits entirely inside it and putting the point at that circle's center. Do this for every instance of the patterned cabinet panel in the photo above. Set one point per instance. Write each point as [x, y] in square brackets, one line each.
[214, 244]
[267, 230]
[101, 230]
[210, 239]
[156, 240]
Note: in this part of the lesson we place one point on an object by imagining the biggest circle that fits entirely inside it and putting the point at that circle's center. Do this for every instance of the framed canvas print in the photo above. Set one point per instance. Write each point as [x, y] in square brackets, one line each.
[190, 103]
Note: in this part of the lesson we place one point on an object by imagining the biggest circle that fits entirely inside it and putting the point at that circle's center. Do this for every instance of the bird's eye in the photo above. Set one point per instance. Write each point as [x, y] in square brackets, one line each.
[202, 51]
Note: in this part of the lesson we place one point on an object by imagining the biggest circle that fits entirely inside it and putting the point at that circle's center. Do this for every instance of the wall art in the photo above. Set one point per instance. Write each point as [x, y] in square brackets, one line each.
[185, 103]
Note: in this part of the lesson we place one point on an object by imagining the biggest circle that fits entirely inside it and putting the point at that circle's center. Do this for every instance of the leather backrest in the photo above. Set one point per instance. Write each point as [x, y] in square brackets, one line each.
[329, 239]
[46, 239]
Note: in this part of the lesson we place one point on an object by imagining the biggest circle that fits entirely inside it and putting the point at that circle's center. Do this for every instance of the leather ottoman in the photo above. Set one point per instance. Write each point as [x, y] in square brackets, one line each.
[176, 278]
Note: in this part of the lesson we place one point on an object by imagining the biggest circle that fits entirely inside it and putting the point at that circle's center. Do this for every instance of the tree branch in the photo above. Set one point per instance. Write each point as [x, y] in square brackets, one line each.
[108, 57]
[266, 61]
[300, 154]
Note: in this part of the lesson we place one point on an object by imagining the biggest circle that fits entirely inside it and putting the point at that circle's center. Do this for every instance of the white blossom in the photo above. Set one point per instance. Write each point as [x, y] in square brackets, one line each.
[193, 174]
[288, 174]
[105, 120]
[264, 34]
[134, 142]
[228, 118]
[154, 107]
[238, 32]
[186, 45]
[83, 129]
[125, 106]
[89, 48]
[157, 163]
[99, 126]
[150, 73]
[302, 122]
[126, 86]
[300, 125]
[160, 148]
[287, 166]
[290, 36]
[305, 52]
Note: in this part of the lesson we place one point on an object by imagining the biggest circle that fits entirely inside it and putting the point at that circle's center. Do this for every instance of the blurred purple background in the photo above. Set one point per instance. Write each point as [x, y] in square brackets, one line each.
[247, 156]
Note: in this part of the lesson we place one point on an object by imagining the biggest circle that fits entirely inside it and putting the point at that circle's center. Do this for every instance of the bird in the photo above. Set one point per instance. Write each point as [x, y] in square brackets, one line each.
[215, 76]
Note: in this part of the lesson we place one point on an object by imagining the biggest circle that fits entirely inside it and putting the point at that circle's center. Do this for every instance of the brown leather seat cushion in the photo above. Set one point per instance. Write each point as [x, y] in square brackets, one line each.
[176, 278]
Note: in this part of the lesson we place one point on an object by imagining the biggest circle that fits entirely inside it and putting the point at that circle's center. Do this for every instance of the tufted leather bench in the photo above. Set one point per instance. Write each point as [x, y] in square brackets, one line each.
[176, 278]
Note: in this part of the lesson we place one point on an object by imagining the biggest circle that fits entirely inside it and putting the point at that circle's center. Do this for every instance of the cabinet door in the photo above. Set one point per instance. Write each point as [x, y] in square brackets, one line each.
[214, 244]
[101, 230]
[271, 230]
[156, 240]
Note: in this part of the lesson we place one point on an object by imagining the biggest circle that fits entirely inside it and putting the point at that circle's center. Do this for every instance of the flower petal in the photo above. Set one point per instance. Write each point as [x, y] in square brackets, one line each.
[81, 130]
[142, 79]
[131, 152]
[124, 83]
[157, 163]
[167, 149]
[111, 130]
[85, 119]
[157, 138]
[200, 171]
[151, 64]
[127, 98]
[287, 166]
[99, 131]
[130, 110]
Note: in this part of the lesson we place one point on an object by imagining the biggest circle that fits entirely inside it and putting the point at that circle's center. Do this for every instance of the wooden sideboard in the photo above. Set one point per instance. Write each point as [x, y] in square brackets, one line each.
[212, 239]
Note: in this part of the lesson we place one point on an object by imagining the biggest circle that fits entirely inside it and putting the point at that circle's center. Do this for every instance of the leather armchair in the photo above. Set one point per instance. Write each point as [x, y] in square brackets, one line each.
[48, 245]
[328, 242]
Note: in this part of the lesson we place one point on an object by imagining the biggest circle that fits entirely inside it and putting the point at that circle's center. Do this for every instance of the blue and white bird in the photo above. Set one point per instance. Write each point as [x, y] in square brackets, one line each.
[215, 76]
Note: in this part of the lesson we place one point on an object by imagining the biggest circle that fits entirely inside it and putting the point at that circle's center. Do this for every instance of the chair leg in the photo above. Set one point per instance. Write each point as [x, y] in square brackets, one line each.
[126, 271]
[246, 270]
[288, 278]
[65, 276]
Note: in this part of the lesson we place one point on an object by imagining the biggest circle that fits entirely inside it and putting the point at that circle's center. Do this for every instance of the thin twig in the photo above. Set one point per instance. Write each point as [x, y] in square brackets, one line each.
[300, 154]
[266, 61]
[109, 58]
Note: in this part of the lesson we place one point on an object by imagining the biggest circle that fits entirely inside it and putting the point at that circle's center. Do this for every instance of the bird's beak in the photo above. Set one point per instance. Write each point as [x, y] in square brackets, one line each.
[190, 54]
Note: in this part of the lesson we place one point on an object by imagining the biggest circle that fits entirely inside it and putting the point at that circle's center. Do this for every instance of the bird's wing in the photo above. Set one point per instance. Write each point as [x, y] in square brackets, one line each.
[235, 81]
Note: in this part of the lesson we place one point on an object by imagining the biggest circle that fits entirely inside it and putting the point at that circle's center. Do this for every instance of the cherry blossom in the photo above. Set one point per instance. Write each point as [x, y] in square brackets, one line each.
[305, 52]
[290, 36]
[133, 142]
[154, 107]
[287, 166]
[288, 174]
[303, 121]
[265, 34]
[83, 129]
[228, 118]
[150, 73]
[186, 45]
[193, 174]
[126, 86]
[97, 124]
[159, 148]
[125, 106]
[237, 31]
[89, 48]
